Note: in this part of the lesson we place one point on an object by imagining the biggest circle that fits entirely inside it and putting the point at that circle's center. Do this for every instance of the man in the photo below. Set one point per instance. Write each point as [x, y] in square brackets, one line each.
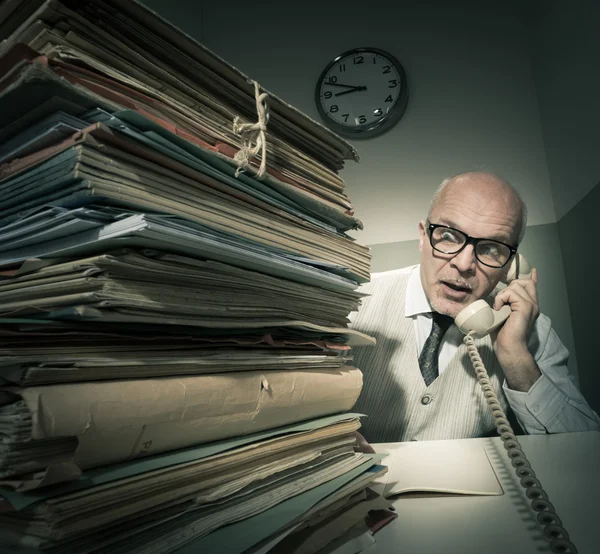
[419, 383]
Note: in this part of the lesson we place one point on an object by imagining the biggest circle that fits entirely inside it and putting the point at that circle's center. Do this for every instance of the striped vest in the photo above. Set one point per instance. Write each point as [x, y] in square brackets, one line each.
[399, 406]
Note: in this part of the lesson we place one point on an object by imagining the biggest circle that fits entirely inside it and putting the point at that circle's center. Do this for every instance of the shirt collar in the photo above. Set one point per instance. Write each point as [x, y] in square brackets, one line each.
[416, 299]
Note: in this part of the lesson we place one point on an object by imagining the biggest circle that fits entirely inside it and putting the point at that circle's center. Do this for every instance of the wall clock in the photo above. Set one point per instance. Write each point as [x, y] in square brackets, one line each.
[362, 93]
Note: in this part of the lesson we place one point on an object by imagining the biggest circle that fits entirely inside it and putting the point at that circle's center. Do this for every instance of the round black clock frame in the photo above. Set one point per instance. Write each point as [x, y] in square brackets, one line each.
[373, 127]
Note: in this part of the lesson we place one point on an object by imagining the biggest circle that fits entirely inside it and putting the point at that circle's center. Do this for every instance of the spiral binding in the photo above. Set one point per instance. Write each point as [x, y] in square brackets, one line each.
[553, 529]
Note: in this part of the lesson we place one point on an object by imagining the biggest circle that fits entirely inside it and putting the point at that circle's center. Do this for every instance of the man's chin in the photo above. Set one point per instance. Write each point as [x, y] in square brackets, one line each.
[451, 306]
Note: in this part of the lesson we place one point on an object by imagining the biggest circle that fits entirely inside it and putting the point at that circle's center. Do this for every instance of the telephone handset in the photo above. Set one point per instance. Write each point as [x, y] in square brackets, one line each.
[476, 321]
[479, 318]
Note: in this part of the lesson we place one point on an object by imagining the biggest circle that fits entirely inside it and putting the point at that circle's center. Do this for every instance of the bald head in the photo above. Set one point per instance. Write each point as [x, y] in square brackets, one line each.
[485, 188]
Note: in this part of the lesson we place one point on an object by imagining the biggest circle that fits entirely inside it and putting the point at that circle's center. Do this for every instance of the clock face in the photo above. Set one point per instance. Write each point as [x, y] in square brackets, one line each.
[362, 93]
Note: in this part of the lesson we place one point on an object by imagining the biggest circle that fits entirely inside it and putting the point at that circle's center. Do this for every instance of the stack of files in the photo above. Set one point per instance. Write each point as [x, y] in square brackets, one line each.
[51, 352]
[138, 51]
[119, 56]
[175, 357]
[152, 286]
[132, 163]
[172, 502]
[58, 232]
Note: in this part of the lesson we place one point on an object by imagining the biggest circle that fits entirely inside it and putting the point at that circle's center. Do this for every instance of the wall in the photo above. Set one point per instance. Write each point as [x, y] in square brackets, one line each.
[565, 47]
[473, 105]
[581, 272]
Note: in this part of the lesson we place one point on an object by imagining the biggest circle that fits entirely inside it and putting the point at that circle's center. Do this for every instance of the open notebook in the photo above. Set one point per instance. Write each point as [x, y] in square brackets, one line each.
[450, 467]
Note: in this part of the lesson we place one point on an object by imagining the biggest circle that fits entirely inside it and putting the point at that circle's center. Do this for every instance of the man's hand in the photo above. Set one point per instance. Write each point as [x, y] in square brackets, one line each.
[518, 364]
[362, 445]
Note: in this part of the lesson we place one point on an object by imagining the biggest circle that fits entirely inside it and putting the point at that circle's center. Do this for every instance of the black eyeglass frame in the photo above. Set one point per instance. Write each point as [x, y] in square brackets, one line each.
[469, 240]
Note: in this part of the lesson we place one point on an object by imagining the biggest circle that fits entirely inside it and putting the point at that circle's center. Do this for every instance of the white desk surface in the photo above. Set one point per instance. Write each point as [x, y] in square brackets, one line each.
[567, 465]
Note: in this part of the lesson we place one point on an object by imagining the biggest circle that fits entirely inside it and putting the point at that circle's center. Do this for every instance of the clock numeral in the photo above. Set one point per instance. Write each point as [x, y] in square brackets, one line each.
[332, 79]
[328, 94]
[358, 60]
[393, 83]
[362, 119]
[342, 67]
[374, 59]
[377, 112]
[389, 98]
[345, 116]
[387, 69]
[334, 108]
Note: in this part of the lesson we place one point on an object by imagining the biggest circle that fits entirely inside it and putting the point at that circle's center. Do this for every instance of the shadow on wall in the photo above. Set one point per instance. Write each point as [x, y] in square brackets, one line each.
[576, 231]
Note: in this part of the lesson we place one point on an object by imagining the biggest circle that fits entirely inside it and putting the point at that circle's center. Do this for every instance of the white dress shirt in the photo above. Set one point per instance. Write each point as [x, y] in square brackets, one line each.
[553, 404]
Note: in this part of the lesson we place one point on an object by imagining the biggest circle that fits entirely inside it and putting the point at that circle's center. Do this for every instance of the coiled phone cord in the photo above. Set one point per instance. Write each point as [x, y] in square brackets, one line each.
[553, 529]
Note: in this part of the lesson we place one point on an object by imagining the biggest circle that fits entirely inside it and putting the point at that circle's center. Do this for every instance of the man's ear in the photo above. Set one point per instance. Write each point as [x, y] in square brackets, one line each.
[422, 235]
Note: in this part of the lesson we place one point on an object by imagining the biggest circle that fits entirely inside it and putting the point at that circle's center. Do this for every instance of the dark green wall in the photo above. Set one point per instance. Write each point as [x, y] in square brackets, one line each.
[579, 233]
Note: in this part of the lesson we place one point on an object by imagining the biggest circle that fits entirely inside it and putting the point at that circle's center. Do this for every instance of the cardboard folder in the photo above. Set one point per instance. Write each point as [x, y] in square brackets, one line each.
[120, 420]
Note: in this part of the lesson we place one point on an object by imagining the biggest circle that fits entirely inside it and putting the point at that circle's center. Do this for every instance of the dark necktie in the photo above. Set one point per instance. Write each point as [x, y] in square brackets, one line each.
[428, 359]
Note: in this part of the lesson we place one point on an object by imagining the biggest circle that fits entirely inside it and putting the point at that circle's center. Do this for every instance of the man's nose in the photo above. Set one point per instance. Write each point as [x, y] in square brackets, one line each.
[465, 260]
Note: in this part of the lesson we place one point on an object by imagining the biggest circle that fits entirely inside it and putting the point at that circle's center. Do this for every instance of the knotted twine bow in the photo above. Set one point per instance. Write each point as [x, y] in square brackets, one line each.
[253, 133]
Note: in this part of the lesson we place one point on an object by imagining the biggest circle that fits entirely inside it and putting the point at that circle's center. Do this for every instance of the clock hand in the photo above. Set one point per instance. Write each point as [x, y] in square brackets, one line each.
[338, 84]
[355, 89]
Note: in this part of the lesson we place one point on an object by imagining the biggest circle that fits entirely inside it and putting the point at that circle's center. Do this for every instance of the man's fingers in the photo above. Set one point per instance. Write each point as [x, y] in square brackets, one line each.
[527, 289]
[513, 295]
[517, 296]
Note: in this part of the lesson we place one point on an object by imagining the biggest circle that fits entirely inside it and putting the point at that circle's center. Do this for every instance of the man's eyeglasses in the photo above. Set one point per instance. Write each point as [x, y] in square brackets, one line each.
[451, 241]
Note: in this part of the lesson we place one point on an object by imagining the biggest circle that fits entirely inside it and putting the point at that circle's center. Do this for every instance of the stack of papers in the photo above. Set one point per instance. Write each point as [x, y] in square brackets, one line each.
[103, 165]
[149, 286]
[165, 502]
[52, 364]
[175, 357]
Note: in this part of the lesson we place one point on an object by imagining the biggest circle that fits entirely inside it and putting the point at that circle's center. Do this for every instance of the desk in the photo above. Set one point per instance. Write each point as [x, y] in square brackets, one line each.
[567, 465]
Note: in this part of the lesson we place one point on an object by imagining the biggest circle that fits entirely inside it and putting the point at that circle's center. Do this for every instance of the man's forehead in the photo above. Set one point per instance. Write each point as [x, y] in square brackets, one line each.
[485, 228]
[481, 205]
[486, 191]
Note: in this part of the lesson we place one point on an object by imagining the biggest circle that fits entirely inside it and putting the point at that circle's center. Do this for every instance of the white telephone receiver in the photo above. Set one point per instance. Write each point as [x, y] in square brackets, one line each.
[479, 318]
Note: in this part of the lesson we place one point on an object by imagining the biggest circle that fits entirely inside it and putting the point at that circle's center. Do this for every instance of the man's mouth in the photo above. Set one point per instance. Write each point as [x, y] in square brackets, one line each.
[456, 289]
